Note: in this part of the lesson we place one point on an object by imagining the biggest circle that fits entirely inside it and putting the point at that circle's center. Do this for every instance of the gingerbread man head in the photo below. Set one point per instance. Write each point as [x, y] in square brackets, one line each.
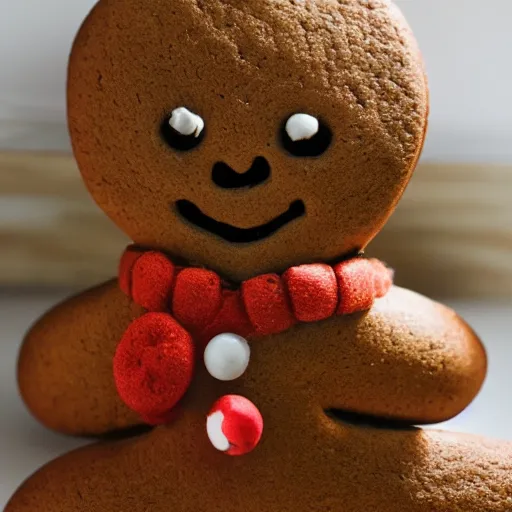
[247, 135]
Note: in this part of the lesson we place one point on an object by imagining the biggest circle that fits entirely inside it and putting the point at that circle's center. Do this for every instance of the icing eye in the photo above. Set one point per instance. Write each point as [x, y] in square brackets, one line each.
[305, 136]
[227, 356]
[183, 130]
[302, 127]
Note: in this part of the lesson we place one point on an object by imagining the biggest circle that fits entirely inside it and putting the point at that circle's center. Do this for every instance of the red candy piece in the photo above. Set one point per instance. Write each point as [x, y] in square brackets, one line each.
[153, 365]
[152, 281]
[231, 318]
[130, 256]
[356, 286]
[267, 304]
[197, 298]
[313, 291]
[383, 278]
[234, 425]
[161, 419]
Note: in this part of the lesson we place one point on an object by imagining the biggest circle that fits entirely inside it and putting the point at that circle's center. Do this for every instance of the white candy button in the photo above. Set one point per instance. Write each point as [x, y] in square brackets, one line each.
[301, 127]
[186, 122]
[227, 356]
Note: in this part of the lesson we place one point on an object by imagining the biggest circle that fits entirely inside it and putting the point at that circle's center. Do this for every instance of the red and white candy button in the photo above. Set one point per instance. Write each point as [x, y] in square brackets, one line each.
[234, 425]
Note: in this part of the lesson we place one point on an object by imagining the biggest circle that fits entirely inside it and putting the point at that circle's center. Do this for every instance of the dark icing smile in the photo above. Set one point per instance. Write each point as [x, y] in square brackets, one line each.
[191, 213]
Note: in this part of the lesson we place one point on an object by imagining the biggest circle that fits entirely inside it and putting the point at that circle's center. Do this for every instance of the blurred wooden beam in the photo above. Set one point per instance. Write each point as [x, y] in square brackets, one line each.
[450, 236]
[51, 232]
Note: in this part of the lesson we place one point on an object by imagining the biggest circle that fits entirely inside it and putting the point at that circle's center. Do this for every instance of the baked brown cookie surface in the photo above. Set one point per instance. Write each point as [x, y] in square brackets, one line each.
[65, 365]
[246, 137]
[245, 67]
[407, 359]
[308, 461]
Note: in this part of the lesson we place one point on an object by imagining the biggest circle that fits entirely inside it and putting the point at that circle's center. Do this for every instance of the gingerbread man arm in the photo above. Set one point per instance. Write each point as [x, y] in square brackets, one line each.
[408, 359]
[65, 365]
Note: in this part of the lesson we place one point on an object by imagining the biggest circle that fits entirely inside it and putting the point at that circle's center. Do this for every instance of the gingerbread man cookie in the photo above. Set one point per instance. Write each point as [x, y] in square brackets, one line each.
[251, 150]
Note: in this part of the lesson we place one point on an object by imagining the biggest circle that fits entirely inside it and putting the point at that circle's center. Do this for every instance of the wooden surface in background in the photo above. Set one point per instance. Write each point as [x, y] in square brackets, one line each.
[450, 236]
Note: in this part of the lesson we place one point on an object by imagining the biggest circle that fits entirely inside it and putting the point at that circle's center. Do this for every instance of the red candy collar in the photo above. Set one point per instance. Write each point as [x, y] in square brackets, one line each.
[188, 306]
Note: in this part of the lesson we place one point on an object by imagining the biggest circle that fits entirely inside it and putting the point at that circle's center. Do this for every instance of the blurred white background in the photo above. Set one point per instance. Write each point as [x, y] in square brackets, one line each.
[466, 44]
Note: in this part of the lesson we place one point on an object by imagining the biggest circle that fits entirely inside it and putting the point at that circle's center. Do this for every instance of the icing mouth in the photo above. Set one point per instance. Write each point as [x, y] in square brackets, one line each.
[191, 213]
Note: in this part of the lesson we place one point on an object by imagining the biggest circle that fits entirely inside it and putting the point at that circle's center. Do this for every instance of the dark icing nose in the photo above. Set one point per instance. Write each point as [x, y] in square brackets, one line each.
[225, 177]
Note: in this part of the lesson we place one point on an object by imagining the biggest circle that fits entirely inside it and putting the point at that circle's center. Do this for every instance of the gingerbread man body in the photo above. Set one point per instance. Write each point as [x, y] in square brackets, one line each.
[253, 139]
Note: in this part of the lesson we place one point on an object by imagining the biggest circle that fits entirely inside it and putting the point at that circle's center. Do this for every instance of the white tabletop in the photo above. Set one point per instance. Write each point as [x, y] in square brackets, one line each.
[25, 445]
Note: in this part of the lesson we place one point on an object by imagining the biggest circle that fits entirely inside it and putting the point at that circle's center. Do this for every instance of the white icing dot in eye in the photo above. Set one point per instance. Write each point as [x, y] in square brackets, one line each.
[227, 356]
[302, 127]
[186, 122]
